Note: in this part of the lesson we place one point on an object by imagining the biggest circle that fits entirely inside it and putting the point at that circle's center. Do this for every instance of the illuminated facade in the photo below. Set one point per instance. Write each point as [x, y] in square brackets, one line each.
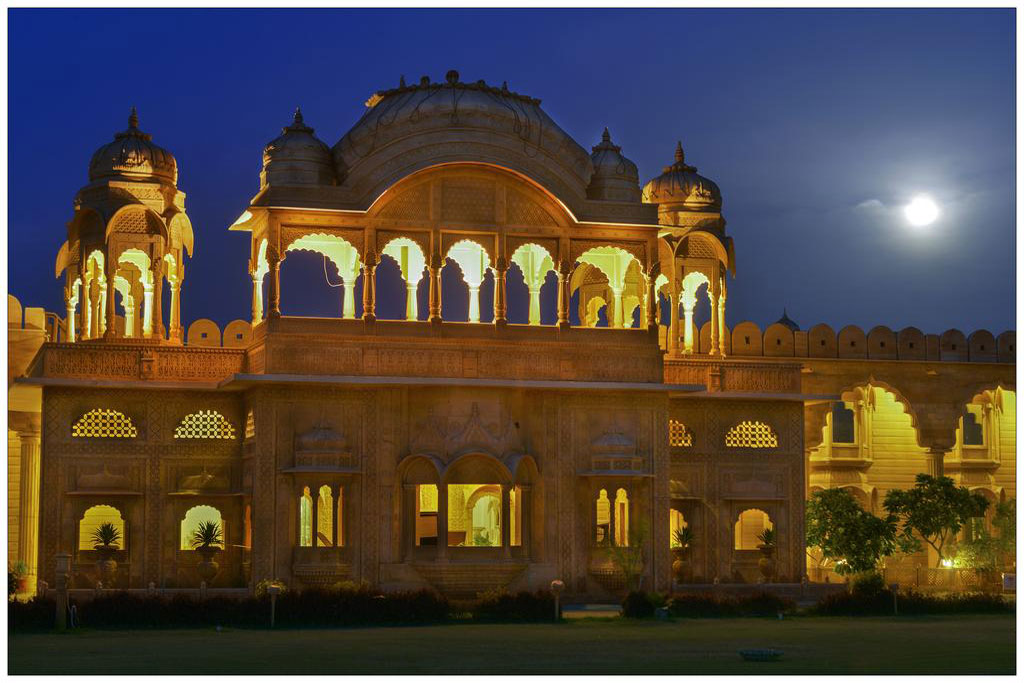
[446, 442]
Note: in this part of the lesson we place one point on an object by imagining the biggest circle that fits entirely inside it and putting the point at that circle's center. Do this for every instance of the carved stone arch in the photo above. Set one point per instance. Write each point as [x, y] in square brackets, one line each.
[136, 219]
[420, 237]
[420, 468]
[181, 235]
[476, 467]
[484, 241]
[524, 468]
[978, 389]
[87, 225]
[698, 244]
[856, 391]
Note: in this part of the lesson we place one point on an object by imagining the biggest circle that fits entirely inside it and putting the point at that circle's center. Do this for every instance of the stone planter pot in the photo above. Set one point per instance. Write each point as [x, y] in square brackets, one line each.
[106, 565]
[766, 565]
[207, 567]
[681, 568]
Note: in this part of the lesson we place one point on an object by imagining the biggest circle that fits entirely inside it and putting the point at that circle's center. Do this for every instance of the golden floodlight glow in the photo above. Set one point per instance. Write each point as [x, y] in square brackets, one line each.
[921, 211]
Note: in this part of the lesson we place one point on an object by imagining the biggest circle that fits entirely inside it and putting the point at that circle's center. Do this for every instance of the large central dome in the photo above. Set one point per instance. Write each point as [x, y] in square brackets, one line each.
[411, 127]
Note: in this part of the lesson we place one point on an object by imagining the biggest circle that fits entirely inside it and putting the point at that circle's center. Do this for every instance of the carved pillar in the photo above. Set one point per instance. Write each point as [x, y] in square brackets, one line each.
[101, 307]
[714, 324]
[722, 331]
[109, 328]
[147, 309]
[28, 528]
[176, 309]
[617, 308]
[689, 303]
[408, 522]
[563, 295]
[935, 457]
[506, 521]
[442, 523]
[673, 324]
[434, 304]
[370, 287]
[129, 315]
[411, 305]
[274, 291]
[257, 299]
[474, 303]
[69, 298]
[158, 290]
[653, 309]
[500, 303]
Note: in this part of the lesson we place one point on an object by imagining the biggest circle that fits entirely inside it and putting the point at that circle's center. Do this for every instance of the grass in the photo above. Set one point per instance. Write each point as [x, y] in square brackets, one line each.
[910, 645]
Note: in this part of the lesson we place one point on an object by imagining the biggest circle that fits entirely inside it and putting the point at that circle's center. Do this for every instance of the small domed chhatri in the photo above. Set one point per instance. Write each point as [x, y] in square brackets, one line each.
[681, 188]
[133, 156]
[297, 157]
[615, 177]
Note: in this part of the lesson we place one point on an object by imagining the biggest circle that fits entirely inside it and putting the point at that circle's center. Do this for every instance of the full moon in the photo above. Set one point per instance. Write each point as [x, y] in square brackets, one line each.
[921, 211]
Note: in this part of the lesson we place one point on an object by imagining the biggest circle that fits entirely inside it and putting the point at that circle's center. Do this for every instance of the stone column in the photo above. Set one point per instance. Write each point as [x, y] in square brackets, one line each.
[506, 522]
[714, 324]
[474, 303]
[434, 304]
[257, 299]
[176, 309]
[274, 291]
[722, 332]
[28, 529]
[147, 310]
[935, 462]
[370, 287]
[534, 305]
[689, 303]
[673, 325]
[70, 325]
[563, 296]
[411, 305]
[500, 303]
[158, 303]
[100, 309]
[442, 523]
[616, 321]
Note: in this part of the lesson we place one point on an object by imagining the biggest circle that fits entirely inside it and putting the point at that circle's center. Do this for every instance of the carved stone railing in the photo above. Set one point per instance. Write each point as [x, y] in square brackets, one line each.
[117, 361]
[735, 375]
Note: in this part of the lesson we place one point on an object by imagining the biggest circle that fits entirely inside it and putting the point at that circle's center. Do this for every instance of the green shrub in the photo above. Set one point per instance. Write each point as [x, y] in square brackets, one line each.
[523, 606]
[705, 605]
[37, 614]
[868, 584]
[637, 605]
[910, 603]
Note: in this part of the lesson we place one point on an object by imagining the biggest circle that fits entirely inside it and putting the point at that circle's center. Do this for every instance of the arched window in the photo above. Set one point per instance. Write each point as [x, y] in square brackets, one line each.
[93, 518]
[751, 434]
[196, 516]
[749, 526]
[205, 424]
[676, 522]
[973, 430]
[474, 515]
[104, 423]
[621, 518]
[842, 424]
[678, 435]
[305, 518]
[426, 514]
[325, 518]
[604, 517]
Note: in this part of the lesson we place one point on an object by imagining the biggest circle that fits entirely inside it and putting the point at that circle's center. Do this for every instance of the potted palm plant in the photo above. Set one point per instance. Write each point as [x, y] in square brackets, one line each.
[683, 542]
[207, 539]
[767, 562]
[106, 538]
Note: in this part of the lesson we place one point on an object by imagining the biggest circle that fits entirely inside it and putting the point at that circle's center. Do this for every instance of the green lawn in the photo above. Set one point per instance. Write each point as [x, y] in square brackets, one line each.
[924, 645]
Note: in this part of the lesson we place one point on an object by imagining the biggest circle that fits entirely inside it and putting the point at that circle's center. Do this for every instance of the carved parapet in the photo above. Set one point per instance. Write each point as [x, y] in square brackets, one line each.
[127, 362]
[734, 376]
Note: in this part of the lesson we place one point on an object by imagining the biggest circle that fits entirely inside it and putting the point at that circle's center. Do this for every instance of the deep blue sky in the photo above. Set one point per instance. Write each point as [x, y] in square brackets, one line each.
[817, 124]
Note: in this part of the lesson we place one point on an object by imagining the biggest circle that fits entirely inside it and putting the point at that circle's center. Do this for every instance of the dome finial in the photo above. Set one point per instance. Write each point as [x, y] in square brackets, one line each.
[606, 136]
[133, 119]
[298, 116]
[680, 157]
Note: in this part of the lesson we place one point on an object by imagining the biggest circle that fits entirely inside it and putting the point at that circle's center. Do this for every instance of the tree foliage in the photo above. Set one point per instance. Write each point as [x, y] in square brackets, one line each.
[934, 510]
[846, 533]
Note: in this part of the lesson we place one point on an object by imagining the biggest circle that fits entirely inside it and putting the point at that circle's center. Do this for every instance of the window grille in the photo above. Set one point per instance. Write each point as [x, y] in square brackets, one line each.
[206, 424]
[104, 423]
[751, 434]
[678, 435]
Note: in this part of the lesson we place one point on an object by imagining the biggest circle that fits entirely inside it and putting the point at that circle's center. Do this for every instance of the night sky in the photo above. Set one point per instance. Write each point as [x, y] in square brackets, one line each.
[817, 125]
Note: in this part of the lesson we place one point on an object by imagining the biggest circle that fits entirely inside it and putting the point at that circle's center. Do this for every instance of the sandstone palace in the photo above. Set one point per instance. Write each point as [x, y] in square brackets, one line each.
[533, 394]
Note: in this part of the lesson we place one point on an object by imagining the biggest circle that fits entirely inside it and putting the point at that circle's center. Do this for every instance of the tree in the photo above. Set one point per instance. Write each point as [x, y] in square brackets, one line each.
[1005, 522]
[846, 533]
[935, 510]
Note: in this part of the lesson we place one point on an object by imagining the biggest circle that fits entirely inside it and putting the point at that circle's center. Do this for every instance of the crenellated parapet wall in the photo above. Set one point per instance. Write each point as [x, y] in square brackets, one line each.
[851, 342]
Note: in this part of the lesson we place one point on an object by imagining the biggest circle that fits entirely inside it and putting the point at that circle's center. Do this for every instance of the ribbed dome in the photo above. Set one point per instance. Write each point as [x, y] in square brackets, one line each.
[132, 156]
[297, 157]
[681, 188]
[615, 177]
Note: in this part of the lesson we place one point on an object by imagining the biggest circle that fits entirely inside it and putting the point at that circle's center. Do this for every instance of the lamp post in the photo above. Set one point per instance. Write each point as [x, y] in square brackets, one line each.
[63, 567]
[273, 591]
[557, 586]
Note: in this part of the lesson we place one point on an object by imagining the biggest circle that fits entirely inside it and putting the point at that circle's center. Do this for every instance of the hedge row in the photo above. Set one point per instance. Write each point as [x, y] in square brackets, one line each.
[881, 604]
[302, 609]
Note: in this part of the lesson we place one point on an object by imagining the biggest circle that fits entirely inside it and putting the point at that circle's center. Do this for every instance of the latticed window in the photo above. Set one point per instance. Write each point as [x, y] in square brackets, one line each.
[206, 424]
[678, 435]
[104, 423]
[751, 434]
[250, 426]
